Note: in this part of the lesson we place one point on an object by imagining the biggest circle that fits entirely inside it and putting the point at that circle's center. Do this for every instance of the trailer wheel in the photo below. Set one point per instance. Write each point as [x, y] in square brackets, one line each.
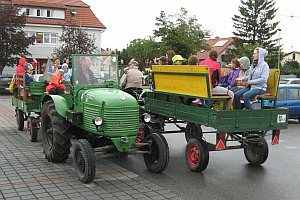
[32, 129]
[256, 153]
[84, 161]
[197, 155]
[20, 119]
[55, 134]
[193, 131]
[158, 157]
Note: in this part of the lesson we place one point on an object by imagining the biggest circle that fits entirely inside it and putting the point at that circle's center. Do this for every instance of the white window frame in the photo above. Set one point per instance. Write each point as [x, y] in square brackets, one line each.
[51, 36]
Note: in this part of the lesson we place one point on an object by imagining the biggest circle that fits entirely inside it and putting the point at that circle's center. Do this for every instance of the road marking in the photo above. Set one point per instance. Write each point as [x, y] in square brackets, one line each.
[291, 147]
[60, 178]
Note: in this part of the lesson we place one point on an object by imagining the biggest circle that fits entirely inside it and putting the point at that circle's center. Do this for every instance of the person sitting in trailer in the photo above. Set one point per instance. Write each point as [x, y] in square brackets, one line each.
[28, 74]
[56, 85]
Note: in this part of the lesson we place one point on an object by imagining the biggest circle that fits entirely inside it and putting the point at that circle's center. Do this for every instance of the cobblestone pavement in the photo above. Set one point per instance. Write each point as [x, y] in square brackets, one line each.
[26, 174]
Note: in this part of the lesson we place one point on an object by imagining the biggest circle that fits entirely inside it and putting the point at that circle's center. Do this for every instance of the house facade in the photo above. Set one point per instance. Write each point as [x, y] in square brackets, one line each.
[221, 45]
[45, 20]
[292, 56]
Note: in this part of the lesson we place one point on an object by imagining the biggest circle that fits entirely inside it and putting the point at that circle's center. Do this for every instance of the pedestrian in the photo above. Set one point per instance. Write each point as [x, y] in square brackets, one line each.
[255, 82]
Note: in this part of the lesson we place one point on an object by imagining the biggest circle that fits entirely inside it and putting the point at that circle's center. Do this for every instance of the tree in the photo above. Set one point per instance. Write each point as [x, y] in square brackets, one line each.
[256, 26]
[143, 50]
[181, 33]
[290, 67]
[75, 41]
[13, 39]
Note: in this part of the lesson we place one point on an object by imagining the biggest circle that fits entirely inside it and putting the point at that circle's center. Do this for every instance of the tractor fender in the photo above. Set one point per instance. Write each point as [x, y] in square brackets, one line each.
[60, 103]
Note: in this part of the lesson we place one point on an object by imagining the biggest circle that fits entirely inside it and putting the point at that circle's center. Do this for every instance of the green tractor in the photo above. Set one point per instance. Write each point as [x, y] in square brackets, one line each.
[96, 116]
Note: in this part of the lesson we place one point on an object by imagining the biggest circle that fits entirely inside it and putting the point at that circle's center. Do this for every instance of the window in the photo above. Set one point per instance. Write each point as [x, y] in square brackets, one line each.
[50, 38]
[39, 38]
[220, 43]
[294, 94]
[295, 82]
[49, 13]
[73, 12]
[29, 12]
[294, 56]
[281, 95]
[38, 12]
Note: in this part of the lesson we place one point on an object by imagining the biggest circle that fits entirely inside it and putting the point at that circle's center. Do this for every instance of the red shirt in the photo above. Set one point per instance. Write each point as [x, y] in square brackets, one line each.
[213, 66]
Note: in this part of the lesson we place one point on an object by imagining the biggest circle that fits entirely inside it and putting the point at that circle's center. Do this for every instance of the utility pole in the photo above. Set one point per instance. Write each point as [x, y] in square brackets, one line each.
[279, 30]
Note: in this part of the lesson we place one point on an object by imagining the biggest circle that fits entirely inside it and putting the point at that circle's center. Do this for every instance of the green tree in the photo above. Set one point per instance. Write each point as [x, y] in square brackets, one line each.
[180, 32]
[13, 39]
[75, 41]
[290, 67]
[255, 26]
[143, 50]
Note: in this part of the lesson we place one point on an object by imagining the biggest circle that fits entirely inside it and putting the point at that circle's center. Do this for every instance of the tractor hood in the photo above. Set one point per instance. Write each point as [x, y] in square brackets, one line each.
[107, 97]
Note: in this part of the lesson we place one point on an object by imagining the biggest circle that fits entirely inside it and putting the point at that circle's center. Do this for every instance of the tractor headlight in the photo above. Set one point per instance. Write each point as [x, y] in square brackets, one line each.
[147, 117]
[97, 121]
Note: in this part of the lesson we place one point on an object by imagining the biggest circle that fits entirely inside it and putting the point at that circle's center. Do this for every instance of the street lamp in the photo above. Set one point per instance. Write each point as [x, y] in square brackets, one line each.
[279, 30]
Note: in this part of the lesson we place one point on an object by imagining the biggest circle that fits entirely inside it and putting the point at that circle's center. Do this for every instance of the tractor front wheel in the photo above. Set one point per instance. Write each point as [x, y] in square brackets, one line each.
[84, 161]
[157, 158]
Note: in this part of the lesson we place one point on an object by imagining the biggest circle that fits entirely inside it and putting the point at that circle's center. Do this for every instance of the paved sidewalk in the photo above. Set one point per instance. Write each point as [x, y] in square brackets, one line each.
[26, 174]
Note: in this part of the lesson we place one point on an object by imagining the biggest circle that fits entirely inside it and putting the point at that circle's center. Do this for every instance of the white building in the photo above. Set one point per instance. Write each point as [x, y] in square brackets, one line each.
[45, 19]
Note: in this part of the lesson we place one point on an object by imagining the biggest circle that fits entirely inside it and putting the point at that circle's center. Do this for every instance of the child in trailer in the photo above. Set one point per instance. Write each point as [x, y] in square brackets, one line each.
[55, 86]
[28, 73]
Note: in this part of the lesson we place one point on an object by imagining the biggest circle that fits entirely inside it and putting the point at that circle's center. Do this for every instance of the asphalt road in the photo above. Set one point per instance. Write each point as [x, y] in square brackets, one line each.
[228, 175]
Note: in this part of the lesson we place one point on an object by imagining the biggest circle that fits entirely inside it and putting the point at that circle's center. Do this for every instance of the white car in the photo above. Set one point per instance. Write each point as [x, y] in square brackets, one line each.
[289, 81]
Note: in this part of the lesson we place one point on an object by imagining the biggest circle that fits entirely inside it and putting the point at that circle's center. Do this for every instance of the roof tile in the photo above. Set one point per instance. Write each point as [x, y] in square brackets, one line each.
[85, 16]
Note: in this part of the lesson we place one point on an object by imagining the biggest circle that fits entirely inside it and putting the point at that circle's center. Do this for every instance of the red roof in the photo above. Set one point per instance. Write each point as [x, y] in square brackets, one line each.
[84, 17]
[50, 3]
[220, 47]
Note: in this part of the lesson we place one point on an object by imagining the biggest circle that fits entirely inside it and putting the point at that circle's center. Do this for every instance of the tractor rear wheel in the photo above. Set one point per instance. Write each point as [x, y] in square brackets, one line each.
[55, 134]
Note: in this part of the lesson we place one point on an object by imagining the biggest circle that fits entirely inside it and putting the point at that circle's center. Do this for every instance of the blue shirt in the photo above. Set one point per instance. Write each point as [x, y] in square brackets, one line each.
[67, 76]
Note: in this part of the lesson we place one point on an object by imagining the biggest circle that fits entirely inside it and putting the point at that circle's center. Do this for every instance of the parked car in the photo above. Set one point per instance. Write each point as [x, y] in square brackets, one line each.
[4, 83]
[288, 96]
[290, 81]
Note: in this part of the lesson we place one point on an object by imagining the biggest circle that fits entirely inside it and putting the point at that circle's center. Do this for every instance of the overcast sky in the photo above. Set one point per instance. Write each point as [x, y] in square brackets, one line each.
[132, 19]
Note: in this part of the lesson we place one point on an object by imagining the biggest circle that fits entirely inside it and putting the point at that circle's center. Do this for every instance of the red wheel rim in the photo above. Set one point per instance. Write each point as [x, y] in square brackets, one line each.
[193, 156]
